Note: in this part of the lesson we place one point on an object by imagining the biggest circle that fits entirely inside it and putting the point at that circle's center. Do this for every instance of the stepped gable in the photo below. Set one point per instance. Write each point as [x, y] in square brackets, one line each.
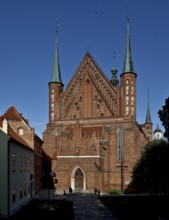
[88, 70]
[12, 114]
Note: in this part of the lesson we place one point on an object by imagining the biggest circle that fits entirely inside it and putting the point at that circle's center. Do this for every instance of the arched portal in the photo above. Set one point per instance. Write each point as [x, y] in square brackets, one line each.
[78, 180]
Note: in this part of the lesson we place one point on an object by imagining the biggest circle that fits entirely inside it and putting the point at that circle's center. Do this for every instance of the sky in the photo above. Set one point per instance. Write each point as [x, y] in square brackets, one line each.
[27, 44]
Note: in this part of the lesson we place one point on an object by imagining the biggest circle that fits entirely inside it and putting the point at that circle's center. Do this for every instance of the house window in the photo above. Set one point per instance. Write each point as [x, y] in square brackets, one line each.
[29, 190]
[28, 164]
[21, 163]
[25, 190]
[20, 131]
[24, 163]
[21, 192]
[120, 144]
[13, 162]
[13, 195]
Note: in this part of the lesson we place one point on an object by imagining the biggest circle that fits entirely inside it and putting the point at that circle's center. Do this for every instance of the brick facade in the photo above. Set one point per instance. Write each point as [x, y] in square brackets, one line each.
[93, 139]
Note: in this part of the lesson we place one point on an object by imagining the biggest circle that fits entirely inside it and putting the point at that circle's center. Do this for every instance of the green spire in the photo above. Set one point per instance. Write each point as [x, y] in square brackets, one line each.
[128, 62]
[157, 130]
[56, 77]
[148, 116]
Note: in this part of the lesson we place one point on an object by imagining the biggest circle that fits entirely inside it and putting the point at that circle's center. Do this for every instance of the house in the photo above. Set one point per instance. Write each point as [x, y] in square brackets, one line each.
[21, 126]
[17, 182]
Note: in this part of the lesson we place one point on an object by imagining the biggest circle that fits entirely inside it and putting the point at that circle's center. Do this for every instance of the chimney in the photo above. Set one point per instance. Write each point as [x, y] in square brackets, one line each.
[5, 126]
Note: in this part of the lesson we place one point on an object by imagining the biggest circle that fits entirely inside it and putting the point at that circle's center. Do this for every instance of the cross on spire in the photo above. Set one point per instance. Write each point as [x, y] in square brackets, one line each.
[57, 25]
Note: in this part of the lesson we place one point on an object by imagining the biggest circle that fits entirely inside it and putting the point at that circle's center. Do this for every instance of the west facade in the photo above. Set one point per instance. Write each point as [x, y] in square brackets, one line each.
[92, 139]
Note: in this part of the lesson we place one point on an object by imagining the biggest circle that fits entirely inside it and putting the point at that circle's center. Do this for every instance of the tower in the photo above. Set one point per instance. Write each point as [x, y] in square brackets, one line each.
[158, 134]
[148, 122]
[128, 82]
[55, 88]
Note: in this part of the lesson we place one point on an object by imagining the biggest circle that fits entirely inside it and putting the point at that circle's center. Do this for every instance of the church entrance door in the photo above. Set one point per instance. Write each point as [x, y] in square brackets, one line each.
[79, 180]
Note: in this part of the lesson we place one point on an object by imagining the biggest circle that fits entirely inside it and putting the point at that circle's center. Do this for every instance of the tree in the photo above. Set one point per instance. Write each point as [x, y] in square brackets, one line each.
[150, 174]
[164, 117]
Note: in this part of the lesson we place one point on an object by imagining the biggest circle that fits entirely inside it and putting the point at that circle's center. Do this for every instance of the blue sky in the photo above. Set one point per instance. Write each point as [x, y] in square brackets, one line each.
[27, 43]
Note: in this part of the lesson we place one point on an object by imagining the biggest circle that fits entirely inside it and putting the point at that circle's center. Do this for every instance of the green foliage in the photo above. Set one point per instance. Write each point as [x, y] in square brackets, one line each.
[114, 191]
[150, 172]
[164, 117]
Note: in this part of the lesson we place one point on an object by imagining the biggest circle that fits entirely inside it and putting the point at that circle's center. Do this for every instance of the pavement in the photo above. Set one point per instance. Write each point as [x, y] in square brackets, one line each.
[87, 206]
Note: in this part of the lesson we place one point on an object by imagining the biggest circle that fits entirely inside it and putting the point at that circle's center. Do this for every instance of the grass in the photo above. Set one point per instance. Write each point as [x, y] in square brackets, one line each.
[139, 207]
[53, 209]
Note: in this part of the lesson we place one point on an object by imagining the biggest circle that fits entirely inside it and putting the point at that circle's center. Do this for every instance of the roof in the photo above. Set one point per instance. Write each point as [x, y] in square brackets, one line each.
[148, 116]
[157, 130]
[128, 61]
[12, 114]
[56, 76]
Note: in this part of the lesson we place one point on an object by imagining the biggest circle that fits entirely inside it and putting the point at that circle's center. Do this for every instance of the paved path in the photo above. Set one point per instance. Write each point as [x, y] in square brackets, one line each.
[86, 206]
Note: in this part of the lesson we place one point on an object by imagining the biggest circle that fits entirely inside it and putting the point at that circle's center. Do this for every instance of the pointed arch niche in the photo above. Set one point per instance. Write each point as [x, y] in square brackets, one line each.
[78, 179]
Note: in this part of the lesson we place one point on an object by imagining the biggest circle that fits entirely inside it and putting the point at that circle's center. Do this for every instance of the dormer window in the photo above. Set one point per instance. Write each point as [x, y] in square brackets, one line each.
[20, 131]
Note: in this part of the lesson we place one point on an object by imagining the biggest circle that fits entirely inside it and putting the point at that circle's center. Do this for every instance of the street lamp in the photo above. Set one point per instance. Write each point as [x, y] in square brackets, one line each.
[121, 155]
[122, 172]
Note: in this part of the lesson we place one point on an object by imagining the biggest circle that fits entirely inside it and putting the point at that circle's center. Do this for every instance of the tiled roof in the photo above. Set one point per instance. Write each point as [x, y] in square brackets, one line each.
[12, 114]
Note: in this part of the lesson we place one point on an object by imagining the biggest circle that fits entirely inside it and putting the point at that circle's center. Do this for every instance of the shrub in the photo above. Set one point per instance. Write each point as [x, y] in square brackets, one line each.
[114, 191]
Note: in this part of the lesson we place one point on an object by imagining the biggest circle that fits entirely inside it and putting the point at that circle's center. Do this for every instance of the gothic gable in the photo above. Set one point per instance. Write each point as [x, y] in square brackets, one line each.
[89, 93]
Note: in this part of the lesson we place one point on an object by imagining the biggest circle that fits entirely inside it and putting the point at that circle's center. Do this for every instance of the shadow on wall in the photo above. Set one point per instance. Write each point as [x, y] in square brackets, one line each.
[47, 180]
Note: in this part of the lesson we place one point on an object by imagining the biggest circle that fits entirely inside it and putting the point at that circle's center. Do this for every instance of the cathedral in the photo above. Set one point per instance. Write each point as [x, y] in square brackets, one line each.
[93, 139]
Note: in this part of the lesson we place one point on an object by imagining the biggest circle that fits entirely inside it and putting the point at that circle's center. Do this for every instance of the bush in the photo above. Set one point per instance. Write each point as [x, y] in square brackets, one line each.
[114, 191]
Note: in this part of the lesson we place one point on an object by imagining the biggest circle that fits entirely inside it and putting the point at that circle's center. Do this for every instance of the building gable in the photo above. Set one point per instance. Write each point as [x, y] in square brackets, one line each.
[89, 93]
